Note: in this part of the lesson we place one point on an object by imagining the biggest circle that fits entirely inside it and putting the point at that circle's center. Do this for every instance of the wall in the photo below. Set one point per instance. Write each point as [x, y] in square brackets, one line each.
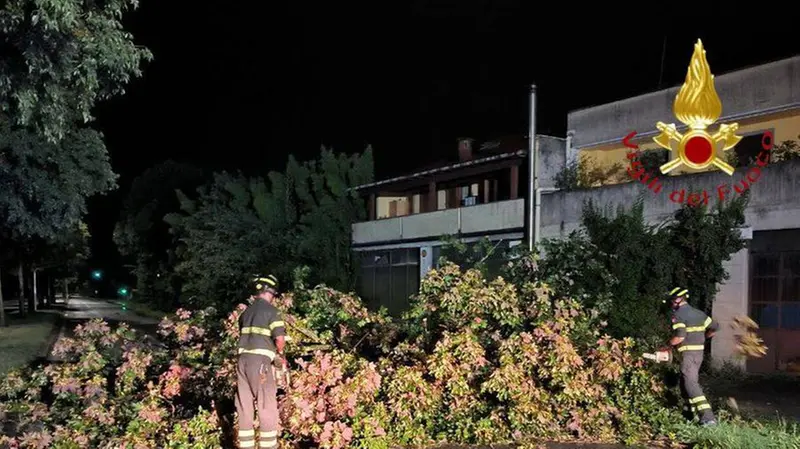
[774, 204]
[773, 199]
[765, 89]
[491, 217]
[552, 158]
[785, 126]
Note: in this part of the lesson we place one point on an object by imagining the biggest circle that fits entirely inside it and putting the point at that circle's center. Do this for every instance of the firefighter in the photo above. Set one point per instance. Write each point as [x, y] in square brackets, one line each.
[261, 344]
[690, 329]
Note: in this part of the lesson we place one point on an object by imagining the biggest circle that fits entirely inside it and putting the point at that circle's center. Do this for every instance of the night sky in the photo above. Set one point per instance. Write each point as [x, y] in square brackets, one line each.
[240, 89]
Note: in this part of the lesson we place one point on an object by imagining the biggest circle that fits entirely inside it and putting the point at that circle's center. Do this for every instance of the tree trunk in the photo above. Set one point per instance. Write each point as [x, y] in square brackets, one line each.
[2, 305]
[51, 288]
[21, 278]
[66, 289]
[35, 291]
[29, 292]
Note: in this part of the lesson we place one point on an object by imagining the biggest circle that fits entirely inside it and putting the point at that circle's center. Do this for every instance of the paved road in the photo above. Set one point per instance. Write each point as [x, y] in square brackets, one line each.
[81, 309]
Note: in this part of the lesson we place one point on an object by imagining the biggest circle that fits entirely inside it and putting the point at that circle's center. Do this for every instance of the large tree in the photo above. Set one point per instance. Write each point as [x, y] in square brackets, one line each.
[60, 57]
[143, 236]
[45, 184]
[301, 217]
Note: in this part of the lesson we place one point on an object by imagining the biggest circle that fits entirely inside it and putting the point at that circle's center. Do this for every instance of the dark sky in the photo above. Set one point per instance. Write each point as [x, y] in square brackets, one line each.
[243, 88]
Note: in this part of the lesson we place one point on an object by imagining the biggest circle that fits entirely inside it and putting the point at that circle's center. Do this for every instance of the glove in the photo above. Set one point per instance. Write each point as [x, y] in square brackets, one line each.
[280, 362]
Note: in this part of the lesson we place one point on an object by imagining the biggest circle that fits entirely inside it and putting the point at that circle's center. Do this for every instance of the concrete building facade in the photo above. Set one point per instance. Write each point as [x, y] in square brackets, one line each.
[480, 196]
[764, 277]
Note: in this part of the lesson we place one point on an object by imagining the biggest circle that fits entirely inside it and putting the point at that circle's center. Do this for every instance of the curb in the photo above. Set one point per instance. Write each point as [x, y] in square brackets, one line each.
[55, 335]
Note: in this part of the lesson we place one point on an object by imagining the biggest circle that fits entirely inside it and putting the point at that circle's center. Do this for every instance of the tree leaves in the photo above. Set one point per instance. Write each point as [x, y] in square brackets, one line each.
[142, 233]
[239, 226]
[45, 185]
[625, 265]
[60, 57]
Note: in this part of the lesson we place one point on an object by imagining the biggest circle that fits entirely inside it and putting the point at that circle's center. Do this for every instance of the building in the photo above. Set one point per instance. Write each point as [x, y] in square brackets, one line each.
[480, 196]
[765, 277]
[760, 99]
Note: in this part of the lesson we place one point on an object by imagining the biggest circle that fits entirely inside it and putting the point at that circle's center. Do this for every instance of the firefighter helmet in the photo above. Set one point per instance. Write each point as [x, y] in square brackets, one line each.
[264, 283]
[677, 293]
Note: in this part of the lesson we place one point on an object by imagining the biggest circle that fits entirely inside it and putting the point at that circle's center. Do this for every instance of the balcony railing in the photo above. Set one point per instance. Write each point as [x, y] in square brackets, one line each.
[482, 218]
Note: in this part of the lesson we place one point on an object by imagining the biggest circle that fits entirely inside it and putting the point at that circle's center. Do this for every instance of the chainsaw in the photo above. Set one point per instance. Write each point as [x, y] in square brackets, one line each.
[661, 356]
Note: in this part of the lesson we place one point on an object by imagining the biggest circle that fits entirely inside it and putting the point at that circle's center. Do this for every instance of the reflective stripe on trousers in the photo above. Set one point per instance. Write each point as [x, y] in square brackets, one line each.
[690, 385]
[256, 392]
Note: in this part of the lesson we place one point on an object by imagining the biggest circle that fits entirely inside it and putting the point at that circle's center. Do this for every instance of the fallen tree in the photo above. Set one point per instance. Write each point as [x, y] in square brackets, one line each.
[474, 361]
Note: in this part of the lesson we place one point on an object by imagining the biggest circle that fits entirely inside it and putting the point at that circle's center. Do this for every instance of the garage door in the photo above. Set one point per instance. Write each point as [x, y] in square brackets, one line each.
[775, 306]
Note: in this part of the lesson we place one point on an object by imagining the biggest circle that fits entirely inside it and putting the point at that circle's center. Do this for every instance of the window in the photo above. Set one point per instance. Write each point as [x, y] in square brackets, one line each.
[469, 195]
[747, 149]
[441, 200]
[416, 204]
[652, 160]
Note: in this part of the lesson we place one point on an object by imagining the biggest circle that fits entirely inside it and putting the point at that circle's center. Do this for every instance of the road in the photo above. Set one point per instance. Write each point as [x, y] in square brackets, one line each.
[81, 309]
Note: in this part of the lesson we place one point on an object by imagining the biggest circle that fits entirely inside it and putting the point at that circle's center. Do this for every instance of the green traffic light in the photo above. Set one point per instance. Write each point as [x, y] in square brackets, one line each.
[97, 275]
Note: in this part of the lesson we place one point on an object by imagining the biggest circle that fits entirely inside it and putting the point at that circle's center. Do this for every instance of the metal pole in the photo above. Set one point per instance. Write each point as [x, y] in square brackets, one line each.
[533, 175]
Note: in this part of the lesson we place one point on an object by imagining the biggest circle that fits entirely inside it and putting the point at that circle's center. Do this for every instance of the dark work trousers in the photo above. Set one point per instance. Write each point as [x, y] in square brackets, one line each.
[690, 385]
[256, 391]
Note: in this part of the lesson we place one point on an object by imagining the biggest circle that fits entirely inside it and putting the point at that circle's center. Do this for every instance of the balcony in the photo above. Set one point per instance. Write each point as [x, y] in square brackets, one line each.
[486, 218]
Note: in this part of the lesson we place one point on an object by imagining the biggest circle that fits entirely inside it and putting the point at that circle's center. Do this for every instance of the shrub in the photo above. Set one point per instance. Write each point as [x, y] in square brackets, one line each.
[475, 361]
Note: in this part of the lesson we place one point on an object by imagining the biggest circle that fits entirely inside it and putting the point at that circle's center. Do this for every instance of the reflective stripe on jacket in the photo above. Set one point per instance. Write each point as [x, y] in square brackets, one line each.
[259, 325]
[691, 324]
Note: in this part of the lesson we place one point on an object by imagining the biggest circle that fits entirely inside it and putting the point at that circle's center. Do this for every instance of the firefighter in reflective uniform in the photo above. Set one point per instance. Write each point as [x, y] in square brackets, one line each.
[261, 344]
[690, 329]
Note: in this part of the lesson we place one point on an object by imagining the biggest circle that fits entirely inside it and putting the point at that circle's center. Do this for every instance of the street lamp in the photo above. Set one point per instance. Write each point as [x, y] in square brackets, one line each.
[123, 293]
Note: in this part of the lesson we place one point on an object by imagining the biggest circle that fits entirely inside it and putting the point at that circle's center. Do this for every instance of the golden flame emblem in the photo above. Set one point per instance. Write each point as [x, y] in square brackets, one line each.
[697, 106]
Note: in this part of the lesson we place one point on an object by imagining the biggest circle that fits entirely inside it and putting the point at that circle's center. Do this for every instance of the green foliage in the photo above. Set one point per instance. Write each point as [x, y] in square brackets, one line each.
[702, 242]
[484, 255]
[476, 361]
[623, 266]
[302, 217]
[46, 184]
[510, 360]
[143, 235]
[586, 172]
[788, 150]
[738, 434]
[652, 160]
[640, 258]
[60, 57]
[66, 255]
[568, 178]
[576, 268]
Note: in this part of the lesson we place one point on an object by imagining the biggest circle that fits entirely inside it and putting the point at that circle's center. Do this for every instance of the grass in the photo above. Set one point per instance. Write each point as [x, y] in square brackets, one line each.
[738, 434]
[25, 339]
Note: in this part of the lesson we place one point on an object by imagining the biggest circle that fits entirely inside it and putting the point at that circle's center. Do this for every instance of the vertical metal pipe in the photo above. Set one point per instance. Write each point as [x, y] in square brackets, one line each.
[533, 175]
